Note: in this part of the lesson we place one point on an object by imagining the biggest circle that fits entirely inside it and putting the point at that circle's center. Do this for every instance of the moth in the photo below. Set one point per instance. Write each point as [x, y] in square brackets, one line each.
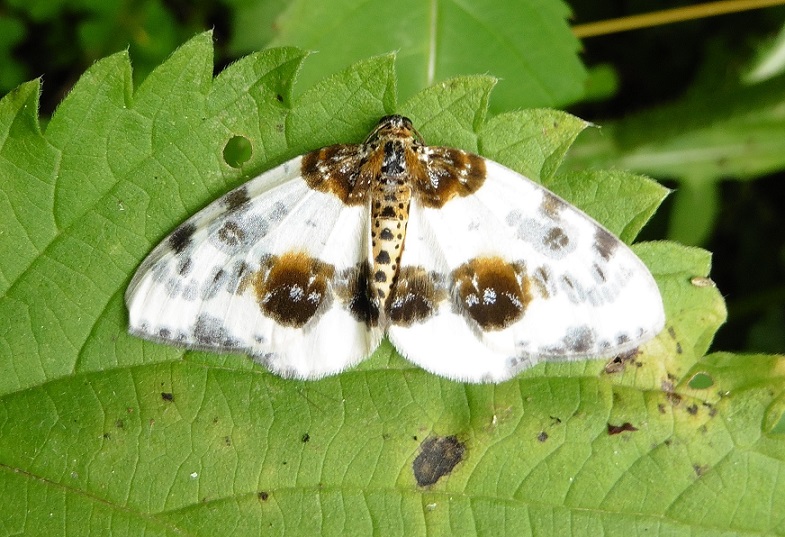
[473, 271]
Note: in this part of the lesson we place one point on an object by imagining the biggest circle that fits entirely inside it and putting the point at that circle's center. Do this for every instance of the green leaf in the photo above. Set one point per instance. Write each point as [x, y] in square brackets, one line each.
[519, 43]
[101, 432]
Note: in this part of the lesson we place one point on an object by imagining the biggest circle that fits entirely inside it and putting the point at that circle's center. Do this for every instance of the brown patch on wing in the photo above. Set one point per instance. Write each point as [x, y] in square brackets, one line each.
[415, 296]
[342, 170]
[292, 287]
[492, 292]
[353, 288]
[442, 173]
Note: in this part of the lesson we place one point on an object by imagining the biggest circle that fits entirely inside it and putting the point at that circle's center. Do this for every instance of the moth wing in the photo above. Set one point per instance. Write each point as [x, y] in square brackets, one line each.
[512, 275]
[271, 269]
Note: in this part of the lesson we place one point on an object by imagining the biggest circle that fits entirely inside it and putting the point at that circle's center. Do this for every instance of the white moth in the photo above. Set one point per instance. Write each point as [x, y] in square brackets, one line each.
[472, 270]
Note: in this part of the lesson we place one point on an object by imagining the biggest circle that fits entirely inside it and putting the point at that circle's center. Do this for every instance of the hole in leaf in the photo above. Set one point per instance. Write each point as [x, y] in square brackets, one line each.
[237, 151]
[701, 381]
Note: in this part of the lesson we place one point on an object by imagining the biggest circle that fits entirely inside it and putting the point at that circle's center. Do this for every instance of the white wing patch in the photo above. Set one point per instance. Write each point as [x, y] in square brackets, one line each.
[474, 271]
[521, 276]
[261, 271]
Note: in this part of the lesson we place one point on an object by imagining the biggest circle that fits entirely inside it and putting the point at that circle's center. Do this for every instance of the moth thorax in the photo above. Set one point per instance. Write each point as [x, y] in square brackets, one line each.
[389, 216]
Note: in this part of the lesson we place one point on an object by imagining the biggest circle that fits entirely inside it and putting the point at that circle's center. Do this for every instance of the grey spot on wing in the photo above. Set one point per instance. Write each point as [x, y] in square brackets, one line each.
[543, 280]
[213, 283]
[556, 239]
[191, 291]
[184, 266]
[180, 239]
[160, 272]
[594, 296]
[237, 199]
[238, 233]
[622, 338]
[230, 233]
[573, 289]
[551, 206]
[605, 243]
[553, 242]
[579, 339]
[240, 270]
[278, 212]
[209, 331]
[173, 287]
[599, 274]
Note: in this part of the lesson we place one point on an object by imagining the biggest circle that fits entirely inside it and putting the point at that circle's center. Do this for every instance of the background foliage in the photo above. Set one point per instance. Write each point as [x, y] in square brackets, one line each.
[101, 430]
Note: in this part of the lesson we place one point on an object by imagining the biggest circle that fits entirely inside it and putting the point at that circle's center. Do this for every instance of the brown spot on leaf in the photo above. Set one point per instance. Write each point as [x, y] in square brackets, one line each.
[624, 427]
[620, 361]
[437, 458]
[700, 469]
[543, 436]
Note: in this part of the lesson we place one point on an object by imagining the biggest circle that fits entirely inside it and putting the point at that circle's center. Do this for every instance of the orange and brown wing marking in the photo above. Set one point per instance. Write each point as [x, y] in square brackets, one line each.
[492, 292]
[416, 296]
[340, 170]
[352, 288]
[442, 173]
[292, 288]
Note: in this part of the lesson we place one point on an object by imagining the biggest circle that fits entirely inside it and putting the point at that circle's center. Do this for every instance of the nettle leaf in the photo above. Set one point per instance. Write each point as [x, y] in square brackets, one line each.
[518, 42]
[102, 432]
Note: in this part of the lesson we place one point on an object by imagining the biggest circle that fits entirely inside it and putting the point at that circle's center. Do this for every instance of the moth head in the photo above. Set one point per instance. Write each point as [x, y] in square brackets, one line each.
[394, 126]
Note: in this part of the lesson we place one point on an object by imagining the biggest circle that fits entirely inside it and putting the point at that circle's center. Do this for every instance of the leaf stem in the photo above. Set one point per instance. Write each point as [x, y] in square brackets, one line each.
[667, 16]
